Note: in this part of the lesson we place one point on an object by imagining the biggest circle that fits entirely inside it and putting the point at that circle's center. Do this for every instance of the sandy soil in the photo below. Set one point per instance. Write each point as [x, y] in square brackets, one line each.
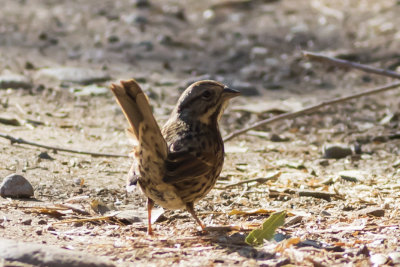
[254, 46]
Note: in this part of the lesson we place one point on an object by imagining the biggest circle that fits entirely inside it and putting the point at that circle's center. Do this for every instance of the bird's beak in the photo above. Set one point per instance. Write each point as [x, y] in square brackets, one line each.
[229, 93]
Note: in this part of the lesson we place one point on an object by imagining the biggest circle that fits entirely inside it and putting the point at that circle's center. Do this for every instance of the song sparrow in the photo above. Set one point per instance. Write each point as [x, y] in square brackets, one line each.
[178, 165]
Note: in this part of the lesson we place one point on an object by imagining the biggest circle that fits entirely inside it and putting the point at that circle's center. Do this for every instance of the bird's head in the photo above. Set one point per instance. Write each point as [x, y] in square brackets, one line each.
[204, 101]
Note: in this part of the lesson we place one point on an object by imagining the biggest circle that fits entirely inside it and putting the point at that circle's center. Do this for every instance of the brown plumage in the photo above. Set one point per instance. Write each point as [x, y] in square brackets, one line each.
[178, 165]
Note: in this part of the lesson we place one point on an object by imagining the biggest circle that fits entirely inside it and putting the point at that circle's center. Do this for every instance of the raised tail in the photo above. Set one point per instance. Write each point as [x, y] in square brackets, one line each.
[144, 127]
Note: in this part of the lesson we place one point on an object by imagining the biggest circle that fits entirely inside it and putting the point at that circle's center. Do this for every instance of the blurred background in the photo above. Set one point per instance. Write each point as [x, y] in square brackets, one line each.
[253, 45]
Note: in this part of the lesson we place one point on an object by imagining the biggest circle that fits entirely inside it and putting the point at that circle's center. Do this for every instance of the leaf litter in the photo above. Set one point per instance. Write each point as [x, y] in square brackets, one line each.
[356, 222]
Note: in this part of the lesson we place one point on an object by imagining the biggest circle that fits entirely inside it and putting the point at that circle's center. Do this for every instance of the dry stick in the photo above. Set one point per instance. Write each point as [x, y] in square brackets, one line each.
[311, 109]
[102, 218]
[346, 64]
[317, 194]
[336, 62]
[259, 180]
[95, 154]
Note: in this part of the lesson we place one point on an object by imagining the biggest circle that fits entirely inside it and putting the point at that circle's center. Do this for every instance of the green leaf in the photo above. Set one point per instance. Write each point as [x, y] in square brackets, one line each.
[257, 236]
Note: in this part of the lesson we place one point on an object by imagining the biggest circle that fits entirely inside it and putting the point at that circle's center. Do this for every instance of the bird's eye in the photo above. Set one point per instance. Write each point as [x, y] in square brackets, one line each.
[206, 95]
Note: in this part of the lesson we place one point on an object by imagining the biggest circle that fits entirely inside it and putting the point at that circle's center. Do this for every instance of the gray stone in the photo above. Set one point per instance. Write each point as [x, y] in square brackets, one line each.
[45, 255]
[27, 222]
[15, 81]
[394, 257]
[16, 185]
[336, 151]
[378, 259]
[72, 75]
[45, 155]
[278, 138]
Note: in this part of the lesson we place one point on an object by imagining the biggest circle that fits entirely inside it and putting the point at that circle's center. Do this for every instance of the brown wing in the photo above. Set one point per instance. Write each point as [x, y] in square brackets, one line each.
[183, 165]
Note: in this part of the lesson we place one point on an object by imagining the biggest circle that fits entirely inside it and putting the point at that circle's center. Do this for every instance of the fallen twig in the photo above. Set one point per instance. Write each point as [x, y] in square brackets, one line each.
[94, 219]
[259, 180]
[224, 228]
[51, 211]
[349, 64]
[336, 62]
[316, 194]
[310, 109]
[10, 121]
[73, 208]
[95, 154]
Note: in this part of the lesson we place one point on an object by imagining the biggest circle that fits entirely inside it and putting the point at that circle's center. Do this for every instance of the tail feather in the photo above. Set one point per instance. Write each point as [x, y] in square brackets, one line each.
[126, 94]
[137, 110]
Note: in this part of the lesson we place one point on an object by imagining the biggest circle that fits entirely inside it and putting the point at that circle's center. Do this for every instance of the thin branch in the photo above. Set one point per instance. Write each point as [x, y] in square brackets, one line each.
[259, 180]
[309, 193]
[93, 219]
[73, 208]
[311, 109]
[349, 64]
[95, 154]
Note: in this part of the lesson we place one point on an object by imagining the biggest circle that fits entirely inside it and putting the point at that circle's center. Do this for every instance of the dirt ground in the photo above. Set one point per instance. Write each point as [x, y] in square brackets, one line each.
[254, 46]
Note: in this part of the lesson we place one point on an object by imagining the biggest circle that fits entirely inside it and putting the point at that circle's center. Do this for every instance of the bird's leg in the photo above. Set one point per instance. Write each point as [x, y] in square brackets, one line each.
[150, 205]
[190, 209]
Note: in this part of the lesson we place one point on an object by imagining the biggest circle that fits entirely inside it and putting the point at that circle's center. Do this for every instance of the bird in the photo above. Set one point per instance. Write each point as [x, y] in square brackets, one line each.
[177, 165]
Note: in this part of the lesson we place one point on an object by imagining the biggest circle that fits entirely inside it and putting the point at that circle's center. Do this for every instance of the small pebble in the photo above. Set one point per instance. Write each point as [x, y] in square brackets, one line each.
[50, 228]
[78, 181]
[394, 257]
[27, 222]
[324, 162]
[378, 259]
[42, 222]
[277, 138]
[363, 251]
[16, 186]
[336, 151]
[325, 213]
[45, 155]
